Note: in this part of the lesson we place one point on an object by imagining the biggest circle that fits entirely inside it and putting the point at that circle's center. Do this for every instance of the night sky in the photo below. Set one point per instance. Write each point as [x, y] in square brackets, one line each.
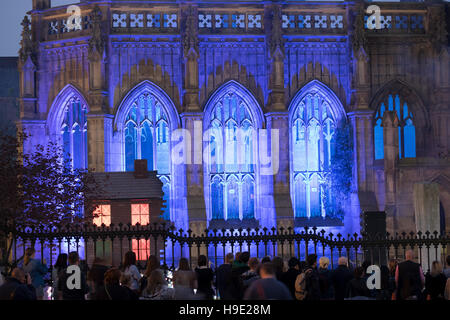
[11, 15]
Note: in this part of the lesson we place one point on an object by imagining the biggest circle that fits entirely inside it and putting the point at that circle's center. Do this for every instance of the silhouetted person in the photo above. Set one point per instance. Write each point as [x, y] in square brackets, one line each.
[237, 270]
[36, 269]
[58, 272]
[18, 287]
[357, 287]
[279, 267]
[223, 278]
[96, 276]
[67, 292]
[205, 277]
[251, 275]
[409, 279]
[340, 277]
[312, 284]
[129, 268]
[184, 281]
[268, 287]
[289, 277]
[435, 282]
[325, 283]
[112, 289]
[152, 265]
[157, 288]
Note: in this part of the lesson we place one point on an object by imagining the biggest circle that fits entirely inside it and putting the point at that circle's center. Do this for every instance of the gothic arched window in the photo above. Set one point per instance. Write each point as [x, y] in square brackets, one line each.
[313, 126]
[147, 136]
[74, 132]
[406, 128]
[230, 186]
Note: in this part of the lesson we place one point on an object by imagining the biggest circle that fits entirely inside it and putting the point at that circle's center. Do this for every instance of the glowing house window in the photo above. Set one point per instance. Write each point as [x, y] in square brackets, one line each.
[147, 136]
[140, 214]
[231, 168]
[74, 133]
[102, 215]
[406, 129]
[313, 128]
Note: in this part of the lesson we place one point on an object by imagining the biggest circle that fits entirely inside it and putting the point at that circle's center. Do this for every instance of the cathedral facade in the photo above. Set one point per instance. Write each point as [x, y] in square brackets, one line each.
[238, 105]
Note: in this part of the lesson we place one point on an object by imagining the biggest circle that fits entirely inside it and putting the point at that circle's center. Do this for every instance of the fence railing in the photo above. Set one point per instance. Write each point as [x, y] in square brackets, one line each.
[111, 242]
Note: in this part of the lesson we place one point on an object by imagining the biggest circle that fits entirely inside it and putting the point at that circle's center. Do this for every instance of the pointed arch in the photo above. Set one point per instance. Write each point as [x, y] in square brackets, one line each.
[414, 121]
[231, 117]
[313, 87]
[143, 124]
[234, 87]
[155, 92]
[55, 115]
[314, 113]
[406, 93]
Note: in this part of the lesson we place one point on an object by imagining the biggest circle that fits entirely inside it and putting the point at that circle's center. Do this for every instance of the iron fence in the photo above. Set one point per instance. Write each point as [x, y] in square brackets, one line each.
[111, 242]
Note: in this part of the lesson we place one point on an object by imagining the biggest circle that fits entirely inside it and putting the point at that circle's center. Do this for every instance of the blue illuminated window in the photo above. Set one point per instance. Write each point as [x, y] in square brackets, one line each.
[406, 129]
[231, 168]
[74, 133]
[146, 136]
[313, 128]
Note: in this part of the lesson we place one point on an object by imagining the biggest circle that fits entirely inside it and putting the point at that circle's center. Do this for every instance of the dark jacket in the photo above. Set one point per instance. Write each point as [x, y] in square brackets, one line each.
[312, 285]
[236, 281]
[223, 279]
[205, 276]
[288, 278]
[340, 278]
[325, 284]
[96, 276]
[13, 289]
[358, 288]
[409, 280]
[435, 286]
[73, 294]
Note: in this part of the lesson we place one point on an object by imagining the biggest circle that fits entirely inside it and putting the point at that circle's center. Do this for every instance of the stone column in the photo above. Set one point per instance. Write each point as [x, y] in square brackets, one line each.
[440, 111]
[189, 26]
[192, 123]
[30, 121]
[390, 137]
[275, 199]
[192, 120]
[99, 133]
[278, 184]
[362, 197]
[427, 217]
[27, 72]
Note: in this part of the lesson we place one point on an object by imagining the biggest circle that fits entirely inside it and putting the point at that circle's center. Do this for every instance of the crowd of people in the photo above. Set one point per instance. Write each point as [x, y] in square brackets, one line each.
[241, 277]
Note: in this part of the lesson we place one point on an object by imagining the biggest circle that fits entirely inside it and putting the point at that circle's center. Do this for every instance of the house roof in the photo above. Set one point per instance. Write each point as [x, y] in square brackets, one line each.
[124, 185]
